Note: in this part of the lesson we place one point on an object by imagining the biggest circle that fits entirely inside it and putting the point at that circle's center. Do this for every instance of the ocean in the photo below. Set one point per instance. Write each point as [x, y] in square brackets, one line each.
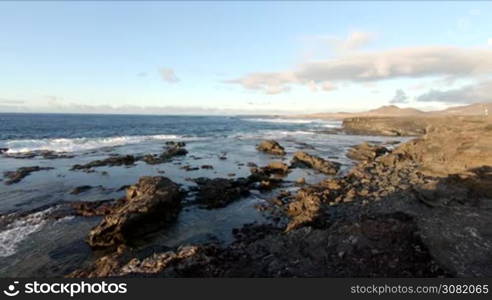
[32, 244]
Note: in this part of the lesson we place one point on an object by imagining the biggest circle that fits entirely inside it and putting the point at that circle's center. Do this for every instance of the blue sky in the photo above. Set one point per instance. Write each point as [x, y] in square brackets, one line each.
[254, 56]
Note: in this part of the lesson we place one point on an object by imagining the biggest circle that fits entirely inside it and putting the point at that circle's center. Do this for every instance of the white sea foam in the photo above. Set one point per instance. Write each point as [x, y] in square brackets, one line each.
[270, 134]
[321, 122]
[278, 120]
[79, 144]
[19, 230]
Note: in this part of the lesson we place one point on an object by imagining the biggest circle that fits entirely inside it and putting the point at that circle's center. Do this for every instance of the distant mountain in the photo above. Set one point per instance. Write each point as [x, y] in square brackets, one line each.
[466, 110]
[395, 111]
[392, 110]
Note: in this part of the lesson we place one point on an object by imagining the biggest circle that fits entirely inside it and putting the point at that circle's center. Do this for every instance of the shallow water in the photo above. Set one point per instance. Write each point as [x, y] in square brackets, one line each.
[36, 246]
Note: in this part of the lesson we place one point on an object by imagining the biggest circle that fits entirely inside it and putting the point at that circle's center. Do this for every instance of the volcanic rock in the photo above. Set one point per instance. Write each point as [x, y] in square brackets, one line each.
[149, 204]
[303, 159]
[271, 146]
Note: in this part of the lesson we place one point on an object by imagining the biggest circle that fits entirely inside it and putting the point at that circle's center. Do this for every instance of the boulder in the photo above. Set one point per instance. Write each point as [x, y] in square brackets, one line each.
[218, 192]
[149, 204]
[271, 146]
[303, 159]
[366, 152]
[125, 160]
[173, 149]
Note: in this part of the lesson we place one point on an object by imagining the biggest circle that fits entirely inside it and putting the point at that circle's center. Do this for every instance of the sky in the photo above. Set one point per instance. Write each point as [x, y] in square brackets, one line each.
[243, 57]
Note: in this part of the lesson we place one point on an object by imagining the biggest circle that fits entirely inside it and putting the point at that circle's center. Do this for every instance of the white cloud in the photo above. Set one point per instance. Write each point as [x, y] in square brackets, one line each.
[356, 40]
[489, 42]
[168, 75]
[480, 92]
[400, 97]
[415, 62]
[11, 101]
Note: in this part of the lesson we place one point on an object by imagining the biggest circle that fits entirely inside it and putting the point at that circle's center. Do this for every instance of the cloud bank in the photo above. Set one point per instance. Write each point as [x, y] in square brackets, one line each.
[416, 62]
[480, 92]
[400, 97]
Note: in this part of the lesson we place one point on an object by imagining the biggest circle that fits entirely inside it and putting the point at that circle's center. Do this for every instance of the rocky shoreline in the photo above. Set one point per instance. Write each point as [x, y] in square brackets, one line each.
[423, 209]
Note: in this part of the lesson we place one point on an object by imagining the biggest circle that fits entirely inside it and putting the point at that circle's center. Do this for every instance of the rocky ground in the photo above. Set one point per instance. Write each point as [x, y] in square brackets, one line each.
[422, 209]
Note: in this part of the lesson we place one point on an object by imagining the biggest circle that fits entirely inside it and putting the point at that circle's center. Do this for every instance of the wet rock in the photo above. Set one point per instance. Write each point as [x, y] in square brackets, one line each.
[303, 159]
[3, 150]
[121, 263]
[208, 167]
[95, 208]
[54, 155]
[306, 209]
[175, 144]
[276, 168]
[46, 154]
[218, 192]
[19, 174]
[189, 168]
[81, 189]
[271, 147]
[251, 165]
[366, 151]
[173, 149]
[127, 160]
[149, 204]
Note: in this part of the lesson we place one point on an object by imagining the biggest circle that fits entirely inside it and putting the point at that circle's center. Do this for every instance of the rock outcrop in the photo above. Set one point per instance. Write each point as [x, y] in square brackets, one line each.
[218, 192]
[126, 160]
[271, 147]
[389, 126]
[172, 149]
[303, 159]
[21, 173]
[366, 151]
[149, 204]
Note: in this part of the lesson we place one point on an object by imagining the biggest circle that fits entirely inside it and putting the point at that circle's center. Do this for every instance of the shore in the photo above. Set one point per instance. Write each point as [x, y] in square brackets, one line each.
[422, 209]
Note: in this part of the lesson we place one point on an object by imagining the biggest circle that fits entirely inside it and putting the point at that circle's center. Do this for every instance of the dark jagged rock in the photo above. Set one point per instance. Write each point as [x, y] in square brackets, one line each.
[271, 147]
[55, 155]
[95, 208]
[366, 151]
[276, 168]
[46, 154]
[173, 149]
[209, 167]
[126, 160]
[81, 189]
[175, 144]
[218, 192]
[122, 263]
[3, 150]
[189, 168]
[303, 159]
[19, 174]
[270, 176]
[149, 204]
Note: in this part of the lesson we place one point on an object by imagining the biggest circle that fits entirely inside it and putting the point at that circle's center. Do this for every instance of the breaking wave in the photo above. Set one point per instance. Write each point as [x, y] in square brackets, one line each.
[19, 230]
[79, 144]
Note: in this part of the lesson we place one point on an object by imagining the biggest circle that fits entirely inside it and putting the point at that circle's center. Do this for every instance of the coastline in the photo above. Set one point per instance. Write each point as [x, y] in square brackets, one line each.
[421, 210]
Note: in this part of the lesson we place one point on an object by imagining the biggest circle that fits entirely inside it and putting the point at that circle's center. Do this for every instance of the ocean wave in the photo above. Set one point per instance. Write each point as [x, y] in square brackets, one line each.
[79, 144]
[19, 230]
